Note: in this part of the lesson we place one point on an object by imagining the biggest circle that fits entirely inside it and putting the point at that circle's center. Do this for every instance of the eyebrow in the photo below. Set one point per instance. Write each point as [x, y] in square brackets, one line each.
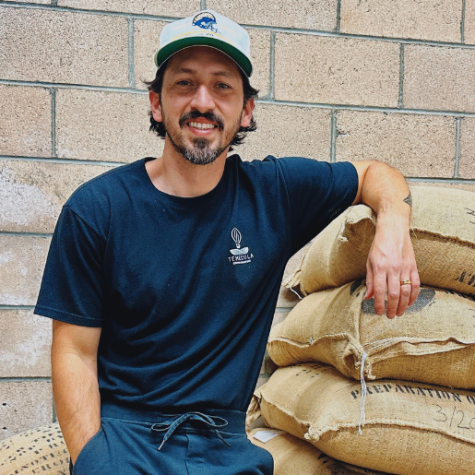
[193, 71]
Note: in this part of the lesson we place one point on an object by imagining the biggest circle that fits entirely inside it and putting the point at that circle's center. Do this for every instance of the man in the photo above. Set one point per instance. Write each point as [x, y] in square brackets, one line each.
[163, 275]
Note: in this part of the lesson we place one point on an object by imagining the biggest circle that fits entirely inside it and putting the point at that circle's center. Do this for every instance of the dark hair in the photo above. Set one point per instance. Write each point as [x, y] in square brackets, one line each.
[249, 92]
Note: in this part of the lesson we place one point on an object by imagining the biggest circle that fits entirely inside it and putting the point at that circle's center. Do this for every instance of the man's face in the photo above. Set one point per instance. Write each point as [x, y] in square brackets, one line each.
[201, 103]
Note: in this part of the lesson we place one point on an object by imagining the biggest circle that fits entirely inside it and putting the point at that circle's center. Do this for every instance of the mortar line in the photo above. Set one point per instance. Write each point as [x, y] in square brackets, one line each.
[19, 379]
[272, 66]
[452, 181]
[302, 31]
[333, 137]
[389, 110]
[458, 123]
[53, 122]
[55, 8]
[131, 46]
[49, 85]
[69, 161]
[203, 5]
[338, 17]
[401, 78]
[462, 22]
[283, 309]
[17, 307]
[25, 234]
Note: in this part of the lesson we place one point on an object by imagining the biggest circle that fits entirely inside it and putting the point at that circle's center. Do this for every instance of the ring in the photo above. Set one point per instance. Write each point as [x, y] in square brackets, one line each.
[405, 282]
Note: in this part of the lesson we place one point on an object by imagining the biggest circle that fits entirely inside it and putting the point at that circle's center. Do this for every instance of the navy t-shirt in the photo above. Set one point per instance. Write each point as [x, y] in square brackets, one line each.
[185, 288]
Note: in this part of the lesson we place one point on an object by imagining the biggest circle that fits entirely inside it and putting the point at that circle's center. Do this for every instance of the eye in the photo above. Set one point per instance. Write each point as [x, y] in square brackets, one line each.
[183, 82]
[223, 85]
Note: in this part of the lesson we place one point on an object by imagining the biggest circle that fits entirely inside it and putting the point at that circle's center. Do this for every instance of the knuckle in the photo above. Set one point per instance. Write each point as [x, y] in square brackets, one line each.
[406, 291]
[379, 289]
[393, 294]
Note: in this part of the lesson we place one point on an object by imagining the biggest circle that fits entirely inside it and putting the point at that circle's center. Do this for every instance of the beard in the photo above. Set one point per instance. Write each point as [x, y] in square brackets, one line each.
[201, 151]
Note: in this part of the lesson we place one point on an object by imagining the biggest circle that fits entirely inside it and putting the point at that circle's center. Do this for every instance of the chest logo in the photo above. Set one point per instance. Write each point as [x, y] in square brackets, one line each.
[239, 255]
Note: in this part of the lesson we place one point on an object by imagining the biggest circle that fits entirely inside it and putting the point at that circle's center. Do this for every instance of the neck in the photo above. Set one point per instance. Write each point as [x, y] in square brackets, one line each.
[174, 175]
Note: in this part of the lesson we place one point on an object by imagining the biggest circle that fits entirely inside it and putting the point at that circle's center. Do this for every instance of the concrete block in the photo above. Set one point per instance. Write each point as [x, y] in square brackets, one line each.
[175, 8]
[112, 126]
[289, 131]
[24, 405]
[146, 40]
[25, 121]
[418, 145]
[146, 36]
[63, 47]
[308, 14]
[427, 20]
[260, 56]
[438, 78]
[336, 70]
[33, 193]
[25, 351]
[22, 260]
[467, 149]
[469, 30]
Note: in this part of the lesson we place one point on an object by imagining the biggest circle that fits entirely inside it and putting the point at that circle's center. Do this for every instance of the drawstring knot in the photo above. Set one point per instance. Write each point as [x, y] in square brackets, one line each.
[214, 422]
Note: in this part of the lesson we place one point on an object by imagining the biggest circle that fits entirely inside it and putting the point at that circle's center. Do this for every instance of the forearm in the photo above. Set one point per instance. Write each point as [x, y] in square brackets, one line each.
[385, 190]
[76, 396]
[391, 267]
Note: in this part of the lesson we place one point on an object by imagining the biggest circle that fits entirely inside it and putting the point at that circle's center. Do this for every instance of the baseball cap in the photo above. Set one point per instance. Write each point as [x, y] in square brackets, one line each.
[206, 28]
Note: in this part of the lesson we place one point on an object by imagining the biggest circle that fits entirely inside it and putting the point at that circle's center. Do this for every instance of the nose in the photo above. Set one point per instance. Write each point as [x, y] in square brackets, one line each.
[203, 100]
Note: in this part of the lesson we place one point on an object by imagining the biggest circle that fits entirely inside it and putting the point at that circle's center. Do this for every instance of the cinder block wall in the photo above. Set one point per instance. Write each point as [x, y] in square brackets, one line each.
[339, 80]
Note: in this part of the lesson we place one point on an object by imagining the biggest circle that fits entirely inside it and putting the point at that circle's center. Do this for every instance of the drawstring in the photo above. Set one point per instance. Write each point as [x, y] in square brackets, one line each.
[213, 421]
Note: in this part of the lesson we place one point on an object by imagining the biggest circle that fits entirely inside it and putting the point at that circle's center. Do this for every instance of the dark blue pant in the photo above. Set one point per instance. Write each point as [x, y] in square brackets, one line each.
[190, 444]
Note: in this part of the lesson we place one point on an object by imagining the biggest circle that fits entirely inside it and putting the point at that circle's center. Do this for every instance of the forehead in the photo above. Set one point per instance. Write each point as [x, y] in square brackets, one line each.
[202, 59]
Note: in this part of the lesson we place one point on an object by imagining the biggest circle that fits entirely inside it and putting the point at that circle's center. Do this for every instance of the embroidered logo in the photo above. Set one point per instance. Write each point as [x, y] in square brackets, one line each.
[239, 255]
[205, 20]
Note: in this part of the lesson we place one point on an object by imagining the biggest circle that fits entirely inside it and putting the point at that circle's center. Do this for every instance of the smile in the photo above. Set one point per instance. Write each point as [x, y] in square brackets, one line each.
[202, 126]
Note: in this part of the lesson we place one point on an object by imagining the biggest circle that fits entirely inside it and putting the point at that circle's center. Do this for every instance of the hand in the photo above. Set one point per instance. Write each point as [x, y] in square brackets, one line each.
[391, 260]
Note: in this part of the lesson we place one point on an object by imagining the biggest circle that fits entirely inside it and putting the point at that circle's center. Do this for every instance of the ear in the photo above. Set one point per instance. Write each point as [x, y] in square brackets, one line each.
[155, 106]
[247, 113]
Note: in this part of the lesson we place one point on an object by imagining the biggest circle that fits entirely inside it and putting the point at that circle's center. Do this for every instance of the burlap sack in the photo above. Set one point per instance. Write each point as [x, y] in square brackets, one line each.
[433, 342]
[409, 429]
[293, 456]
[443, 236]
[40, 451]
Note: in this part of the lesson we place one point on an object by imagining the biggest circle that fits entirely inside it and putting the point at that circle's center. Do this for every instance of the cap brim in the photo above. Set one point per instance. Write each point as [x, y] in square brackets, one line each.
[170, 49]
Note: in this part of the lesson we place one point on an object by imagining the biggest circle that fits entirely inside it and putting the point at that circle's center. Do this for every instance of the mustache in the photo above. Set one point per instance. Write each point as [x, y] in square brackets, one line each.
[206, 115]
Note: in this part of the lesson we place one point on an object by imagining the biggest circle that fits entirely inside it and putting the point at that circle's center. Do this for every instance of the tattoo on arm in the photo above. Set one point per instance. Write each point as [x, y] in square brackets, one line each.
[408, 199]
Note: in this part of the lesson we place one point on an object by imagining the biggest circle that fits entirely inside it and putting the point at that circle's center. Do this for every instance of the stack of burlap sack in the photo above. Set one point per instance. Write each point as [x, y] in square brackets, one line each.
[396, 396]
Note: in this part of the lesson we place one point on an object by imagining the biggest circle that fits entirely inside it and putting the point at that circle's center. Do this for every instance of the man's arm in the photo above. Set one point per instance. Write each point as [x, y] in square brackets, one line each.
[391, 258]
[75, 384]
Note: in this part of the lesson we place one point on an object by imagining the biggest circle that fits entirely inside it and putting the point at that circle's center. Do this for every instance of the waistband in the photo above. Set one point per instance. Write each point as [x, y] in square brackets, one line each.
[235, 419]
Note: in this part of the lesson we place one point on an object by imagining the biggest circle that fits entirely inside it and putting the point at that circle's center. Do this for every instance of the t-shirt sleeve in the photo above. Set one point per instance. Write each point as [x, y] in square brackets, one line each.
[318, 192]
[72, 286]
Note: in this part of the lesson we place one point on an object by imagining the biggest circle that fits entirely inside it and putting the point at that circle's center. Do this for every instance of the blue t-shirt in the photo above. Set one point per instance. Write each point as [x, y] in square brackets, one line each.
[185, 288]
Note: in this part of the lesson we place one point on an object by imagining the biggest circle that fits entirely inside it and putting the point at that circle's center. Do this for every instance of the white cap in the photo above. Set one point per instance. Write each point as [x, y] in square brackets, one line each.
[206, 28]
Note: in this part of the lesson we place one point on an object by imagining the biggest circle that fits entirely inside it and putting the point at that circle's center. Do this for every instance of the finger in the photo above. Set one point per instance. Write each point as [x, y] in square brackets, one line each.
[369, 282]
[405, 292]
[394, 289]
[379, 292]
[415, 287]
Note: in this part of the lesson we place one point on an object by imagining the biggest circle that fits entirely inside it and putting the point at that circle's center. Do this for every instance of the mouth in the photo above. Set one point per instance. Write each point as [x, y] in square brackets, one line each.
[201, 123]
